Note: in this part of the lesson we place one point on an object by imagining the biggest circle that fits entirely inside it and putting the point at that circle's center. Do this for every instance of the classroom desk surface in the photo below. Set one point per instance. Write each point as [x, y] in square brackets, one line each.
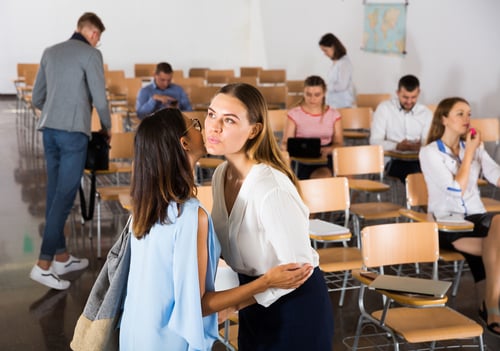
[402, 155]
[464, 226]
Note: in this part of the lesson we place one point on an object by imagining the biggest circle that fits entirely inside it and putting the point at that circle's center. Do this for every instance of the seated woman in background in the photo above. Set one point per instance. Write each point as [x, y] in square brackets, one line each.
[451, 162]
[312, 118]
[174, 250]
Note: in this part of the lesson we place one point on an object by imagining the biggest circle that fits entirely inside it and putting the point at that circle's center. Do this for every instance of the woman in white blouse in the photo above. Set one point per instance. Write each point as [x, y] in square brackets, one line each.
[261, 222]
[451, 163]
[340, 88]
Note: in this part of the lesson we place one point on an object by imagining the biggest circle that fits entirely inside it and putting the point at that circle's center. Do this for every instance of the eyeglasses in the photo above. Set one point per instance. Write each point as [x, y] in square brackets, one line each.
[196, 124]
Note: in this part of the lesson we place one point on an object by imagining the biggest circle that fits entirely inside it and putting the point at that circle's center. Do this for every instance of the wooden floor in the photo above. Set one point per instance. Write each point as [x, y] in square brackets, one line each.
[33, 317]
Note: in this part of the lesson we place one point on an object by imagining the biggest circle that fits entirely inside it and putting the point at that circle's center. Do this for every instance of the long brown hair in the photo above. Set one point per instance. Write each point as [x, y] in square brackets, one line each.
[263, 148]
[444, 107]
[162, 172]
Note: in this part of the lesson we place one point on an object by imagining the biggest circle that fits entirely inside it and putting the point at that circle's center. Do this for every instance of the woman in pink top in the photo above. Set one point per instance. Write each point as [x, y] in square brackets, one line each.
[312, 118]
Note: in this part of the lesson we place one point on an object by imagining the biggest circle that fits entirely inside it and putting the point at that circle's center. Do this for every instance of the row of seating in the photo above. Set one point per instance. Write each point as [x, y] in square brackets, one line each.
[379, 246]
[326, 196]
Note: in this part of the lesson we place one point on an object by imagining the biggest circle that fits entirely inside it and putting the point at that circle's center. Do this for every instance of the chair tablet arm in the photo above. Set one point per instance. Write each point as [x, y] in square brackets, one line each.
[404, 299]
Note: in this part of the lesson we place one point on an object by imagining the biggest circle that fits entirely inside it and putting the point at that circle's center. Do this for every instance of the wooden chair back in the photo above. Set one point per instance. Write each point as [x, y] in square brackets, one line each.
[489, 128]
[30, 76]
[371, 100]
[23, 68]
[115, 82]
[356, 118]
[219, 76]
[122, 146]
[325, 194]
[276, 96]
[144, 70]
[27, 72]
[272, 76]
[178, 73]
[399, 243]
[198, 72]
[244, 79]
[250, 71]
[204, 194]
[117, 120]
[201, 96]
[188, 82]
[277, 118]
[358, 160]
[133, 87]
[295, 87]
[416, 190]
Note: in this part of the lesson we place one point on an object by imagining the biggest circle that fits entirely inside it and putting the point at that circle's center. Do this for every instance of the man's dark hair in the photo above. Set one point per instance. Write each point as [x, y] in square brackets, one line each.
[409, 82]
[163, 67]
[90, 18]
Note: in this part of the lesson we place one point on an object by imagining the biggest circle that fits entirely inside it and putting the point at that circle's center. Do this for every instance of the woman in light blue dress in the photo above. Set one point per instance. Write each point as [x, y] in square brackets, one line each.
[174, 250]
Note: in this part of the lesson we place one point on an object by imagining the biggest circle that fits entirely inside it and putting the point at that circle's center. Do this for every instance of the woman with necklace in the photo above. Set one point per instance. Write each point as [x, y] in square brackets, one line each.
[261, 222]
[312, 118]
[451, 162]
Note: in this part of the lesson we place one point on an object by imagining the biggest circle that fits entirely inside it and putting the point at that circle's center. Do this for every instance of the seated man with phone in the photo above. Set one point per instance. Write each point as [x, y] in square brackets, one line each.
[161, 93]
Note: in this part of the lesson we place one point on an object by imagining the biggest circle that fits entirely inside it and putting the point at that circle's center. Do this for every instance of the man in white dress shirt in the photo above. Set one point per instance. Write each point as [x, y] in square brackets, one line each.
[402, 124]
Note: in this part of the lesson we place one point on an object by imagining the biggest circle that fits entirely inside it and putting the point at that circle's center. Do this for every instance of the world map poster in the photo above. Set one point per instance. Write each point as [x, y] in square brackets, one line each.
[385, 28]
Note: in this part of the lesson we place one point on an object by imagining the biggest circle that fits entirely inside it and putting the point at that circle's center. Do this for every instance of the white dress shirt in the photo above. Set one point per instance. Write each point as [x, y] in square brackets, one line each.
[268, 225]
[392, 124]
[440, 167]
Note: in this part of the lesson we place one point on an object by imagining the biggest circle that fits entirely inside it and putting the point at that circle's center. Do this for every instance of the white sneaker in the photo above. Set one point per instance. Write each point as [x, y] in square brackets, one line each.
[72, 264]
[48, 278]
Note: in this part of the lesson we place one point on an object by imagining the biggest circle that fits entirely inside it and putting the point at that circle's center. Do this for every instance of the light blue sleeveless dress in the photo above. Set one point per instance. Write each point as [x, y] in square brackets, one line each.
[162, 309]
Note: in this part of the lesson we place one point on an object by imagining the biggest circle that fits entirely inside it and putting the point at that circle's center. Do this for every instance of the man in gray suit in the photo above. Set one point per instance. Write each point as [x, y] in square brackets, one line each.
[69, 82]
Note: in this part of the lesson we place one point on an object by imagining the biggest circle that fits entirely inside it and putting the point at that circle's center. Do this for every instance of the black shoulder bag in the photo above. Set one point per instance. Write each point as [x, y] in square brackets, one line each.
[97, 160]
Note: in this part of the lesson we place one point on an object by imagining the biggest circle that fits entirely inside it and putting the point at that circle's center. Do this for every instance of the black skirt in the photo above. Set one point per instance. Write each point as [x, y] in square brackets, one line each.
[300, 320]
[482, 222]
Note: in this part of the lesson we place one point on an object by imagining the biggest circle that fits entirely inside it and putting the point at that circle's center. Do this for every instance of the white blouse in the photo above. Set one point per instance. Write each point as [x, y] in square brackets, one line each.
[440, 167]
[268, 225]
[339, 84]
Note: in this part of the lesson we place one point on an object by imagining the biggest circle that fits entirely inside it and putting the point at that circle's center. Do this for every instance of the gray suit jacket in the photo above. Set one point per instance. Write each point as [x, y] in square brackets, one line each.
[70, 80]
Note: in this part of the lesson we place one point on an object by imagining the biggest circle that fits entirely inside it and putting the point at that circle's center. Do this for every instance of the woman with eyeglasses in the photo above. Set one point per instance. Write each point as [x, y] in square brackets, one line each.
[261, 221]
[174, 250]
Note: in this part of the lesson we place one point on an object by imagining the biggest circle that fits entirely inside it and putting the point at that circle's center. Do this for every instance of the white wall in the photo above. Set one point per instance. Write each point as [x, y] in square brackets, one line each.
[451, 44]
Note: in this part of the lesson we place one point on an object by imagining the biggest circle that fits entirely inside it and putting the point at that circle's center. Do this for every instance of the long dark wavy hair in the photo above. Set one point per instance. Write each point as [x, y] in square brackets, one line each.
[162, 172]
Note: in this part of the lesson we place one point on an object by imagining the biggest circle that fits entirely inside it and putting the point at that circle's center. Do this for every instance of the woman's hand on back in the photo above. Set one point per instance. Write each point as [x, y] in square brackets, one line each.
[288, 276]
